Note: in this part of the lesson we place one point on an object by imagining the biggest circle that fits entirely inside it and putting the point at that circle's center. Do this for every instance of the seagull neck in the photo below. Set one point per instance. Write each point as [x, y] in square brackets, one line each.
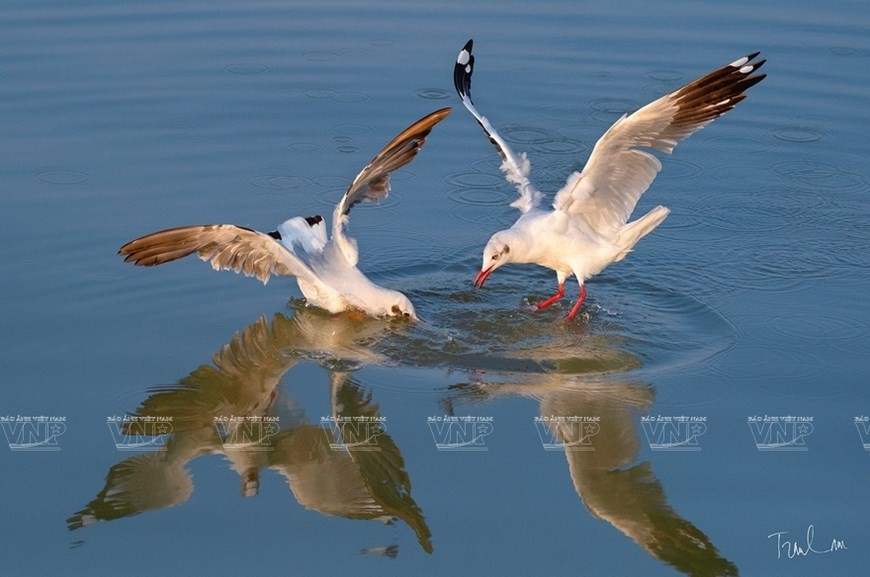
[521, 245]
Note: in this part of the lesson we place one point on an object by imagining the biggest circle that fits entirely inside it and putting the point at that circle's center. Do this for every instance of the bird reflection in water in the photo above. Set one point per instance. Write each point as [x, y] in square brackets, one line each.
[610, 484]
[324, 472]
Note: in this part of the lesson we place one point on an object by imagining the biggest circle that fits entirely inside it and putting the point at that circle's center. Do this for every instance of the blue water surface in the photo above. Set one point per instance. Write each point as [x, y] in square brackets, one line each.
[703, 415]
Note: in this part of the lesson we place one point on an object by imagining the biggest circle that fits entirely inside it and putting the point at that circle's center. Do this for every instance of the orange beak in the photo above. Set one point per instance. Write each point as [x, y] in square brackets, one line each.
[481, 277]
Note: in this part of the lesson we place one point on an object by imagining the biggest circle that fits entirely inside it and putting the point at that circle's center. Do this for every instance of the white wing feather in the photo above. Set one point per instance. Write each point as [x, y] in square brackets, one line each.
[515, 167]
[618, 172]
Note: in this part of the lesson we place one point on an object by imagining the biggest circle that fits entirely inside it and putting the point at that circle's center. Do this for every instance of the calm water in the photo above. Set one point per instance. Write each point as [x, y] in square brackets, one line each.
[122, 118]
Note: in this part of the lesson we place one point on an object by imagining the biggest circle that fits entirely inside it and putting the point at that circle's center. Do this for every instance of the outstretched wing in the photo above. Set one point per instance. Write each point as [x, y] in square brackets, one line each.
[516, 168]
[618, 172]
[226, 246]
[373, 181]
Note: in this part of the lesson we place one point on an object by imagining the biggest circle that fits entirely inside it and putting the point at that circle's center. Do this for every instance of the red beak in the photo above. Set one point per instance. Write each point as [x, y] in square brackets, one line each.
[481, 277]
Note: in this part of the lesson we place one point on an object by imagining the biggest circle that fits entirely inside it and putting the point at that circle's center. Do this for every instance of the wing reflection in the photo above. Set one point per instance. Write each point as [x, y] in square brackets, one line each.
[235, 407]
[367, 480]
[593, 420]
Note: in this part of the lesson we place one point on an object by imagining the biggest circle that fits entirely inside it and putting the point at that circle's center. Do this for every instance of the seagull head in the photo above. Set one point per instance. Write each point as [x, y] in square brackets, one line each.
[400, 306]
[496, 253]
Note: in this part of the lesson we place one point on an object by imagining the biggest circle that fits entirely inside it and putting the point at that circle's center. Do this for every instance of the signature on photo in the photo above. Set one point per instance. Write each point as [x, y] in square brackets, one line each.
[794, 548]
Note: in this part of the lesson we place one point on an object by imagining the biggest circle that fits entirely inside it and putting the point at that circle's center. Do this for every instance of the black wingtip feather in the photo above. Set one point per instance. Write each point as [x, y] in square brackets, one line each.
[463, 69]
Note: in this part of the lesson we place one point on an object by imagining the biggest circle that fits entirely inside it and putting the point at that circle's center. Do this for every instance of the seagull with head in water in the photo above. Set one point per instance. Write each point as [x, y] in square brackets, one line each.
[325, 268]
[588, 228]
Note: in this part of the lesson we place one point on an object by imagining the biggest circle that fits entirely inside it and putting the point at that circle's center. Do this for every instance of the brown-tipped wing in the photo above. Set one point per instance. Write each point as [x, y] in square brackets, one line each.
[225, 246]
[373, 181]
[618, 172]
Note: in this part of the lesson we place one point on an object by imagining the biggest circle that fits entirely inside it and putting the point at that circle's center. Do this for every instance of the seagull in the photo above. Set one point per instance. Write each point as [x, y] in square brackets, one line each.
[588, 228]
[325, 269]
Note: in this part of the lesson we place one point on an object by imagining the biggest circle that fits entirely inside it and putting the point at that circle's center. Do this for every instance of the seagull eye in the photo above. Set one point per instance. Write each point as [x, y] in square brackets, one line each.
[495, 257]
[407, 315]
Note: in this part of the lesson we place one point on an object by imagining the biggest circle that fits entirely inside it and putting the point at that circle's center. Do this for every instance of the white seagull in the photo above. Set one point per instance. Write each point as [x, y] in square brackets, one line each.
[325, 269]
[588, 228]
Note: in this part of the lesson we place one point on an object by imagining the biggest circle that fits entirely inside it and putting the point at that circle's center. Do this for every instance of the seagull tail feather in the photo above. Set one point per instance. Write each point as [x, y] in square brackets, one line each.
[636, 230]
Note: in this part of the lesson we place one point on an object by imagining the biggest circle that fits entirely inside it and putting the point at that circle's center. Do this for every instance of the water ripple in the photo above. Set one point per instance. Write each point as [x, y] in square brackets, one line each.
[671, 76]
[351, 129]
[560, 145]
[735, 214]
[246, 68]
[433, 93]
[684, 217]
[350, 97]
[62, 177]
[489, 164]
[608, 110]
[772, 368]
[399, 251]
[492, 217]
[276, 181]
[798, 134]
[559, 112]
[676, 169]
[476, 180]
[331, 182]
[719, 273]
[497, 329]
[819, 329]
[814, 175]
[842, 50]
[479, 197]
[321, 56]
[853, 225]
[303, 146]
[528, 135]
[613, 105]
[181, 125]
[739, 144]
[775, 264]
[781, 203]
[289, 92]
[324, 93]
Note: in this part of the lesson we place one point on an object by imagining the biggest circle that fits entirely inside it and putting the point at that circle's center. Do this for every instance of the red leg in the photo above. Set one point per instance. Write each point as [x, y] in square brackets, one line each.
[579, 302]
[272, 396]
[554, 298]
